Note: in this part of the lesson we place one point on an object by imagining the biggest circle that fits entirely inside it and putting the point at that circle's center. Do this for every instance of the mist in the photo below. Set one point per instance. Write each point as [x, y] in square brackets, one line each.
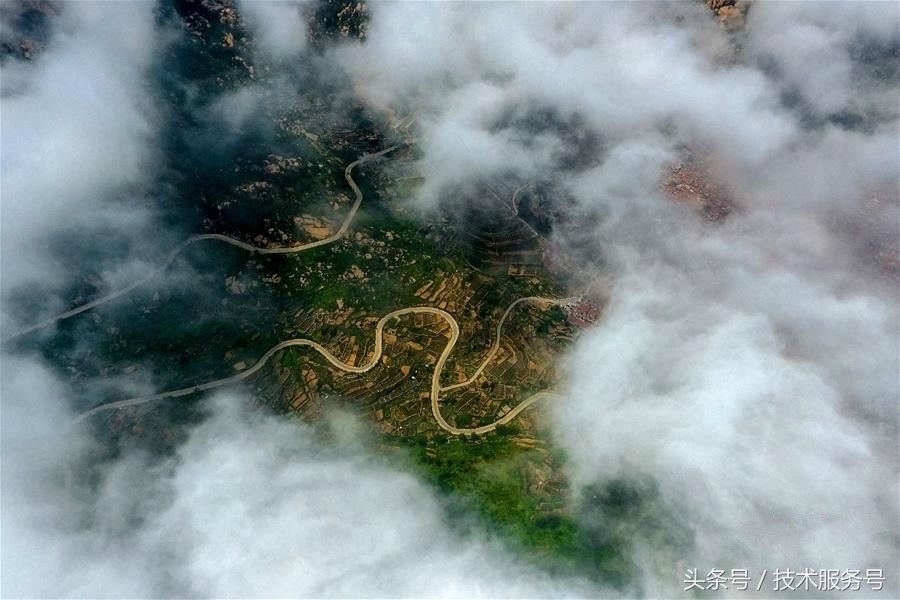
[77, 145]
[746, 366]
[246, 504]
[278, 26]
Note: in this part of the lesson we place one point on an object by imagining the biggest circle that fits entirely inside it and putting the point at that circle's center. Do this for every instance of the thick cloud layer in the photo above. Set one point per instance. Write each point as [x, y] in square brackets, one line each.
[277, 26]
[465, 73]
[750, 367]
[251, 506]
[814, 52]
[77, 132]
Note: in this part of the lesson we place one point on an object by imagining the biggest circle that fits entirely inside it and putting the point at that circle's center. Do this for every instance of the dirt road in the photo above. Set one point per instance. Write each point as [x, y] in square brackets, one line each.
[436, 388]
[345, 225]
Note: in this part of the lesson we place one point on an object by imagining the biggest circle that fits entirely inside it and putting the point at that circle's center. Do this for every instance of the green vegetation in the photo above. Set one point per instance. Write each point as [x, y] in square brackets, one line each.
[482, 476]
[463, 420]
[218, 307]
[554, 316]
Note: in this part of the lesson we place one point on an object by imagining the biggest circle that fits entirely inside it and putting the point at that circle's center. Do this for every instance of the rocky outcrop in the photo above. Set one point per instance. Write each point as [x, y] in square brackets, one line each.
[25, 27]
[334, 20]
[730, 13]
[691, 183]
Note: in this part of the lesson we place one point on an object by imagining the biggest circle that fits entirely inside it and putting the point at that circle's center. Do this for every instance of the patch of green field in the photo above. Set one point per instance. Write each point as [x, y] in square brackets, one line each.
[482, 479]
[554, 316]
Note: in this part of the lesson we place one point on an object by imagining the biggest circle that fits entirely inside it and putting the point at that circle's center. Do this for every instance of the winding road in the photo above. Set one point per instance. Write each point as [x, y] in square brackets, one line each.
[345, 225]
[436, 388]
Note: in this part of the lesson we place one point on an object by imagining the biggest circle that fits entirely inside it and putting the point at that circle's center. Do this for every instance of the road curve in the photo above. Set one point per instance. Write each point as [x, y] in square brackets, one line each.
[436, 388]
[495, 347]
[345, 225]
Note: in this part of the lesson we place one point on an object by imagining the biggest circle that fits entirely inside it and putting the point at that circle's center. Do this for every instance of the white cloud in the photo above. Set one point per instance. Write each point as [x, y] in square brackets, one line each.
[77, 127]
[809, 49]
[250, 506]
[748, 367]
[277, 26]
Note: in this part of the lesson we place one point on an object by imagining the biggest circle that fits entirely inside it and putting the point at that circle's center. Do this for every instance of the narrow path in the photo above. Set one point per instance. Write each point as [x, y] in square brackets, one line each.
[436, 388]
[495, 347]
[345, 225]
